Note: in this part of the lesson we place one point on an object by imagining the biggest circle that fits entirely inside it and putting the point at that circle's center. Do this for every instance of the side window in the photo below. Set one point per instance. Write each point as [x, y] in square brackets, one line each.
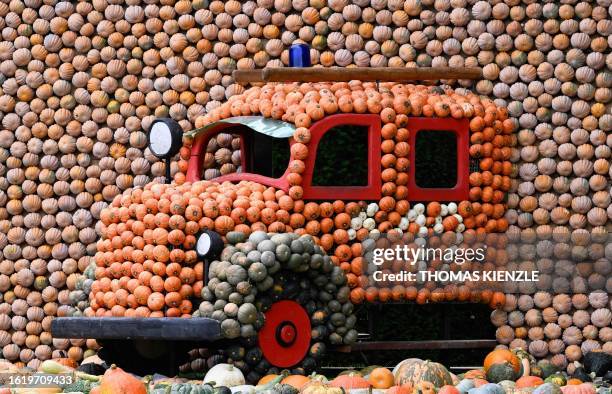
[223, 155]
[439, 159]
[342, 157]
[435, 159]
[267, 156]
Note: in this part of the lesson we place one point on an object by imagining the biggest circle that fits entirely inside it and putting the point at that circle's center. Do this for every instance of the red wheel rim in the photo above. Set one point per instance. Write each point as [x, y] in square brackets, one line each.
[285, 337]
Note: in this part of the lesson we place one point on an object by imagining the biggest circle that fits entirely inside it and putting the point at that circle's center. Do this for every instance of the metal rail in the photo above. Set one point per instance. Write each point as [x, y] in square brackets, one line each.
[340, 74]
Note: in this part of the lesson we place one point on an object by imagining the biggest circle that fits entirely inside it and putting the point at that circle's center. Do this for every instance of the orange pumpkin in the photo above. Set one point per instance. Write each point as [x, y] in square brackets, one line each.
[499, 356]
[116, 381]
[528, 381]
[297, 381]
[266, 379]
[67, 362]
[381, 378]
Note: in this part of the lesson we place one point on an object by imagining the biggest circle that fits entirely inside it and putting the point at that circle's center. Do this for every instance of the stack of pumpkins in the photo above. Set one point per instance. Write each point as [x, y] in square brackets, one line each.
[561, 328]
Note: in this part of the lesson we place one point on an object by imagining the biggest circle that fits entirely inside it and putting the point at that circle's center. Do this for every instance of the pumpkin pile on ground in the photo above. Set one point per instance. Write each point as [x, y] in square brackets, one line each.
[410, 376]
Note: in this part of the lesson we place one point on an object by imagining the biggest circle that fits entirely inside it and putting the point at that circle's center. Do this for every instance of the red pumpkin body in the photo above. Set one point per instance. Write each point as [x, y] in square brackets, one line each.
[350, 381]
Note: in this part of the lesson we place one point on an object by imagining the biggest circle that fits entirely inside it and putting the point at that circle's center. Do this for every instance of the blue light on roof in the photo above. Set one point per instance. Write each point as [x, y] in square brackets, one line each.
[299, 55]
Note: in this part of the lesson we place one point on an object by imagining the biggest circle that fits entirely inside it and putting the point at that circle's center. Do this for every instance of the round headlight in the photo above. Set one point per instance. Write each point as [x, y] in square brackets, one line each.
[208, 244]
[203, 245]
[165, 137]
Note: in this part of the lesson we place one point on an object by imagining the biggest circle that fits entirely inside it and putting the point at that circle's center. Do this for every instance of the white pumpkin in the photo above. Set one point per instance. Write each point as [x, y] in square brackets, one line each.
[243, 389]
[403, 224]
[371, 209]
[224, 375]
[369, 224]
[419, 209]
[356, 223]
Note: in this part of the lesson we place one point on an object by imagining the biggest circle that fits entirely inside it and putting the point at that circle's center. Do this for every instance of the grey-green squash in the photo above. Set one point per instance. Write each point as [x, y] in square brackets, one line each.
[247, 314]
[235, 274]
[501, 371]
[235, 237]
[230, 328]
[257, 272]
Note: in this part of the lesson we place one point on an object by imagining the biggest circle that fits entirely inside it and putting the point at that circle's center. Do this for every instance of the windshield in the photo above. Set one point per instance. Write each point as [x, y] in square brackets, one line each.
[247, 144]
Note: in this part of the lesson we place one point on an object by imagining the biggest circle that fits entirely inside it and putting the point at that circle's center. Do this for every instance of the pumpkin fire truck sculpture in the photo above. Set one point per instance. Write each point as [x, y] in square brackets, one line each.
[276, 264]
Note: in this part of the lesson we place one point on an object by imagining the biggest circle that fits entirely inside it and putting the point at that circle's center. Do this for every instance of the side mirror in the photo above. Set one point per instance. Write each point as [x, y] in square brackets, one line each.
[165, 140]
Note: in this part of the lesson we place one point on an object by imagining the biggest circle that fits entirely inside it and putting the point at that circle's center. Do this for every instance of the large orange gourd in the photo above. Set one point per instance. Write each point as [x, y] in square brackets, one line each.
[117, 381]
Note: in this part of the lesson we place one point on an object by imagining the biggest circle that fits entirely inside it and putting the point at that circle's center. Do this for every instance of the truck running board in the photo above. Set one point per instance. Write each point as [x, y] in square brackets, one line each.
[124, 328]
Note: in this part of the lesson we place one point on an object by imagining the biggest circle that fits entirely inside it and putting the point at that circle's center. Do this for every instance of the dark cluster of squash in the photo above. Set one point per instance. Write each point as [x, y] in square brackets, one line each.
[252, 273]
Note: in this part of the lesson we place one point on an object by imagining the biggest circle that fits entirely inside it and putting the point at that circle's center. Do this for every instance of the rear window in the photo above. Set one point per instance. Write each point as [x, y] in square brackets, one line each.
[435, 159]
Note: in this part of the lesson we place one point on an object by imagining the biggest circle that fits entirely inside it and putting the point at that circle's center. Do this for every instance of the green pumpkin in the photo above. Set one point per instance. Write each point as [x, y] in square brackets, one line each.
[536, 371]
[501, 371]
[235, 237]
[188, 388]
[285, 389]
[319, 42]
[181, 388]
[235, 274]
[79, 385]
[317, 350]
[558, 379]
[230, 328]
[415, 371]
[546, 368]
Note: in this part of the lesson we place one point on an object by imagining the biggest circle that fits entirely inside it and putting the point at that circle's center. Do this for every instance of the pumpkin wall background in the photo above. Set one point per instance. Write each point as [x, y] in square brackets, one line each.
[80, 81]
